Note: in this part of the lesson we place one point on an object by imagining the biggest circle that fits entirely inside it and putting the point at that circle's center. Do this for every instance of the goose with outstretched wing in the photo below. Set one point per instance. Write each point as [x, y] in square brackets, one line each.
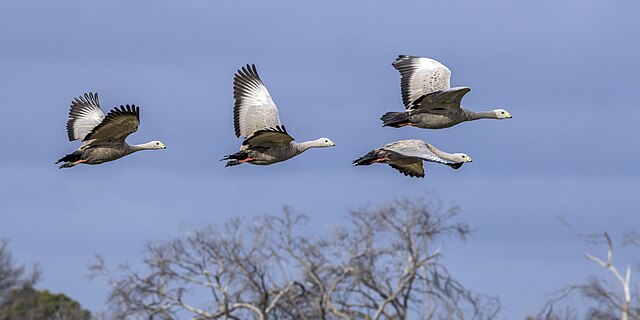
[103, 136]
[429, 100]
[255, 117]
[407, 156]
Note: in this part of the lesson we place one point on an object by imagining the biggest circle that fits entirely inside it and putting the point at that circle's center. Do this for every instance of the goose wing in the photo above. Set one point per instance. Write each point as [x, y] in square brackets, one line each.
[411, 169]
[270, 137]
[255, 115]
[413, 149]
[84, 115]
[420, 76]
[116, 126]
[439, 102]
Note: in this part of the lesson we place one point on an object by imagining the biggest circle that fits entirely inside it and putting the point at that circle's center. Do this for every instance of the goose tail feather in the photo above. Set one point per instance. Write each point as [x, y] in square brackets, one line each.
[395, 119]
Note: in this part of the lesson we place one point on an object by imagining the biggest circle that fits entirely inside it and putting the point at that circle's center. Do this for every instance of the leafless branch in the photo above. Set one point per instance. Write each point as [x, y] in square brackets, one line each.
[607, 302]
[383, 265]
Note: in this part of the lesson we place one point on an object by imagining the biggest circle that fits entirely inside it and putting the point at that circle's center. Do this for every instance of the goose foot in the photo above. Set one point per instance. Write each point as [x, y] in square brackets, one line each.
[238, 162]
[71, 164]
[232, 163]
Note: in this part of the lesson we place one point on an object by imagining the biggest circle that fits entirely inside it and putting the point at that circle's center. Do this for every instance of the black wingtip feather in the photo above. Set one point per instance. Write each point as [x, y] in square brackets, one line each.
[245, 77]
[402, 58]
[456, 165]
[367, 159]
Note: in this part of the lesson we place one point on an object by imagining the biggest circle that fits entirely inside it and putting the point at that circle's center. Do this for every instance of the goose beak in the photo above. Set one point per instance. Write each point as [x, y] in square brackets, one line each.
[332, 144]
[509, 115]
[162, 146]
[469, 159]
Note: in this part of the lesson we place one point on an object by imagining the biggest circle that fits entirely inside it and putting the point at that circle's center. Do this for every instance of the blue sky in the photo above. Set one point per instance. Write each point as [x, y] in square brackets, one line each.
[566, 70]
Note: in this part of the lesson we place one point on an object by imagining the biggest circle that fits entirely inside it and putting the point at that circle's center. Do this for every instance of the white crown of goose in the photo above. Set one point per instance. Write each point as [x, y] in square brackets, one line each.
[461, 157]
[326, 142]
[502, 113]
[155, 145]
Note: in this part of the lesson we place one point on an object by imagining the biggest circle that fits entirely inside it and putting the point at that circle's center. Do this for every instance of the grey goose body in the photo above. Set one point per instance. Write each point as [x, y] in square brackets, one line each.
[255, 117]
[103, 136]
[407, 156]
[429, 100]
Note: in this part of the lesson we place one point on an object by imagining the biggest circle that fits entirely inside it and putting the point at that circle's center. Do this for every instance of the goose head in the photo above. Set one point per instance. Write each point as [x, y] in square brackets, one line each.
[325, 143]
[502, 114]
[154, 145]
[460, 158]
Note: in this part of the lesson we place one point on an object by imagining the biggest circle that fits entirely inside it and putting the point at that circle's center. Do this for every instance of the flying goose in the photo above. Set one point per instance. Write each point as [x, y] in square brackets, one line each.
[103, 137]
[429, 100]
[406, 156]
[255, 117]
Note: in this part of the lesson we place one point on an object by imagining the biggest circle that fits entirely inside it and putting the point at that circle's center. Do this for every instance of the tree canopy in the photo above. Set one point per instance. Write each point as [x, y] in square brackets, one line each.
[20, 300]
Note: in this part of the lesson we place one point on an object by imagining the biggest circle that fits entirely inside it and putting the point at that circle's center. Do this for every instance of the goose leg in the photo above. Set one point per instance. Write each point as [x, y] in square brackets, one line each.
[238, 162]
[232, 163]
[71, 164]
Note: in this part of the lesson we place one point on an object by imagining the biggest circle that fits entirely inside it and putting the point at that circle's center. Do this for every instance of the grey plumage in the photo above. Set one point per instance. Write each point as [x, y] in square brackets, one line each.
[263, 156]
[407, 156]
[255, 117]
[99, 154]
[103, 137]
[429, 100]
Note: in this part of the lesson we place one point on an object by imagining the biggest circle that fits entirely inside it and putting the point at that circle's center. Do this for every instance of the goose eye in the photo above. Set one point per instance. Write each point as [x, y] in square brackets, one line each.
[502, 112]
[157, 143]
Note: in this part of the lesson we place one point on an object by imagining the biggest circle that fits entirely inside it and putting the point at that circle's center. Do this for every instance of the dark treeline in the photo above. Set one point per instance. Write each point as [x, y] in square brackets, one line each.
[20, 300]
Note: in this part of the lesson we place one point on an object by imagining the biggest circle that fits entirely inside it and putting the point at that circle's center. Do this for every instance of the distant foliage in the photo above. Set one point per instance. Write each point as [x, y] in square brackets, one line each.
[12, 275]
[385, 263]
[28, 303]
[20, 301]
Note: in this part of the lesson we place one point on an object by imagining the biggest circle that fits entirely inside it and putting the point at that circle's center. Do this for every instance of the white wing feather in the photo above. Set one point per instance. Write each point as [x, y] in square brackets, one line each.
[254, 110]
[84, 115]
[420, 76]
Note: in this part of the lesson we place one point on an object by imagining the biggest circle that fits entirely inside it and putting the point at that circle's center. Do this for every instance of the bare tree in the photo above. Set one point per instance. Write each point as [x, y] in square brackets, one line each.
[386, 264]
[12, 275]
[9, 273]
[605, 299]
